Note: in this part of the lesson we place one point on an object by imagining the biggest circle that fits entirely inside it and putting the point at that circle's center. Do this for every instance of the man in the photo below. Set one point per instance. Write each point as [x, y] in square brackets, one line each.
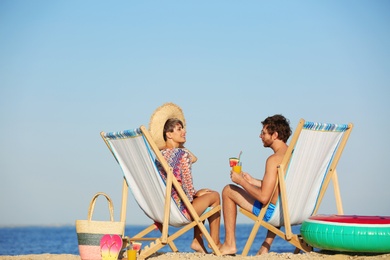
[254, 193]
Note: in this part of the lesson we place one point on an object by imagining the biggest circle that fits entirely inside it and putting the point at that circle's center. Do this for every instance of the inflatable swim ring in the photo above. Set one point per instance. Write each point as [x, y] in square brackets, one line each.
[369, 234]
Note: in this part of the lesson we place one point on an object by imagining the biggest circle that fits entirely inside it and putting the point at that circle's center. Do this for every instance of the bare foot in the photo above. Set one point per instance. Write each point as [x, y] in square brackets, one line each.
[217, 244]
[264, 249]
[198, 247]
[225, 250]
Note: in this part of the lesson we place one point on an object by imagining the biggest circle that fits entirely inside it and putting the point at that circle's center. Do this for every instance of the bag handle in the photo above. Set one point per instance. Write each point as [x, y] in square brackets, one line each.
[92, 205]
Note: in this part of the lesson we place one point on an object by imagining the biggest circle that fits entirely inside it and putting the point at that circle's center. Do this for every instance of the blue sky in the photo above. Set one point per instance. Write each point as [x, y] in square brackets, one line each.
[70, 69]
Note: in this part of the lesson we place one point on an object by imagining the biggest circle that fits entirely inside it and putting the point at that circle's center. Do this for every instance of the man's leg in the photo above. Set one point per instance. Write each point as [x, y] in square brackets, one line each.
[265, 247]
[232, 196]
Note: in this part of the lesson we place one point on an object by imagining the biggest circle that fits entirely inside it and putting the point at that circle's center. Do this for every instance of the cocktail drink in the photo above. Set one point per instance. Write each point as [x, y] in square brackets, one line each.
[233, 161]
[131, 254]
[237, 168]
[235, 164]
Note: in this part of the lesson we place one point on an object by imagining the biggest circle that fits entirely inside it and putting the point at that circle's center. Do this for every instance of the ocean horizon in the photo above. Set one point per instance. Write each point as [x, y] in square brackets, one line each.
[24, 240]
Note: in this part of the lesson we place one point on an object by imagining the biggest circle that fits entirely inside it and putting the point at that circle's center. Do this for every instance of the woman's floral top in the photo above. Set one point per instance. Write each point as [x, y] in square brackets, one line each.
[179, 159]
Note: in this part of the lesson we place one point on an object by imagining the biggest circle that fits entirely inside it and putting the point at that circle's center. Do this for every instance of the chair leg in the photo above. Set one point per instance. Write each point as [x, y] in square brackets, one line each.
[170, 243]
[300, 244]
[251, 238]
[304, 246]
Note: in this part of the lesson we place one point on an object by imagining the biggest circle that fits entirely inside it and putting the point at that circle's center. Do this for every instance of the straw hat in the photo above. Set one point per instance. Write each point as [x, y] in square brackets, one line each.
[158, 119]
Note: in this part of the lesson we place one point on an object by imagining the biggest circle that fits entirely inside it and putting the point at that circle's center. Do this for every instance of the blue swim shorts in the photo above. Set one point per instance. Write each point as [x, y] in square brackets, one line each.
[257, 207]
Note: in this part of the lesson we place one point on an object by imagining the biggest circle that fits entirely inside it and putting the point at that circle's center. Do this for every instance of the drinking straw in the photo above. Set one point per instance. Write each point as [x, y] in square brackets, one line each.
[239, 156]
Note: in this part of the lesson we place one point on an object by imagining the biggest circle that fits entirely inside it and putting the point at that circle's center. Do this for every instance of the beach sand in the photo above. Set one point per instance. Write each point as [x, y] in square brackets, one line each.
[198, 256]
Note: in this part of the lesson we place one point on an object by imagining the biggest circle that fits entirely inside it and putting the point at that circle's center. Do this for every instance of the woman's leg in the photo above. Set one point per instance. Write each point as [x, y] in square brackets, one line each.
[197, 243]
[201, 203]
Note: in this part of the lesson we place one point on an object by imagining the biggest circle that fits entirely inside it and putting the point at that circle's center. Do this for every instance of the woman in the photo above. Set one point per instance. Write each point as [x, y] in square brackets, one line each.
[180, 160]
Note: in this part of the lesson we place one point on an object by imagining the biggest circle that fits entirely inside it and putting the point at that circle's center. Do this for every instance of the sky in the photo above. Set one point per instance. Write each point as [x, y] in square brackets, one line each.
[71, 69]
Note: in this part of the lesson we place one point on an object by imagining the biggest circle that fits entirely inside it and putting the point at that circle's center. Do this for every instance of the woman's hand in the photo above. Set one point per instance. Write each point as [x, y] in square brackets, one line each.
[202, 192]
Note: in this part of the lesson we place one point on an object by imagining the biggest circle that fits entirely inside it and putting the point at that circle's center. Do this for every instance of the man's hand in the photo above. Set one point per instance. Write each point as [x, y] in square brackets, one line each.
[248, 177]
[251, 180]
[237, 178]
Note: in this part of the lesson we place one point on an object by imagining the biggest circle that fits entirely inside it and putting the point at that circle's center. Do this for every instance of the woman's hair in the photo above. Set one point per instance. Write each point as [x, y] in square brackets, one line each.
[279, 124]
[170, 125]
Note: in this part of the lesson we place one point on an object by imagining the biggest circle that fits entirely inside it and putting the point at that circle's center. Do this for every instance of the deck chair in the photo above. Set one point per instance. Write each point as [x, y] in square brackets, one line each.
[303, 177]
[136, 153]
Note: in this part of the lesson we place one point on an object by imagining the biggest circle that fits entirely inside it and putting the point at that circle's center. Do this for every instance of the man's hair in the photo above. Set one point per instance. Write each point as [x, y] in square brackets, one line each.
[170, 125]
[279, 124]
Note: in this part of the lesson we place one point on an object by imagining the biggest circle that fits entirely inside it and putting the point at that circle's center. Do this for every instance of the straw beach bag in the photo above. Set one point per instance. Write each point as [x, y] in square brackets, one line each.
[89, 232]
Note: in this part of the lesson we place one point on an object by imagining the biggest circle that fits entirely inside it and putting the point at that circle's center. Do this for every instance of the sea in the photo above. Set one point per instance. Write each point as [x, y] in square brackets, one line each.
[63, 240]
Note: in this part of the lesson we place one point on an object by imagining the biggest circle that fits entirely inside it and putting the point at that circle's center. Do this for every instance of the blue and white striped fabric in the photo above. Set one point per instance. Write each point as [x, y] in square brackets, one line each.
[325, 127]
[136, 159]
[311, 158]
[123, 134]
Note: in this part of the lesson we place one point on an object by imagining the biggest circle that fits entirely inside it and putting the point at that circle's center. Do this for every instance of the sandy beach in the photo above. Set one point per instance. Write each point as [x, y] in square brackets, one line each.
[198, 256]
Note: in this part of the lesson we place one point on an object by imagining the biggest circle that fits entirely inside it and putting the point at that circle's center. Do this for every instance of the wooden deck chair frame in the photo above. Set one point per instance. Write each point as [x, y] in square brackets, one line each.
[165, 239]
[331, 175]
